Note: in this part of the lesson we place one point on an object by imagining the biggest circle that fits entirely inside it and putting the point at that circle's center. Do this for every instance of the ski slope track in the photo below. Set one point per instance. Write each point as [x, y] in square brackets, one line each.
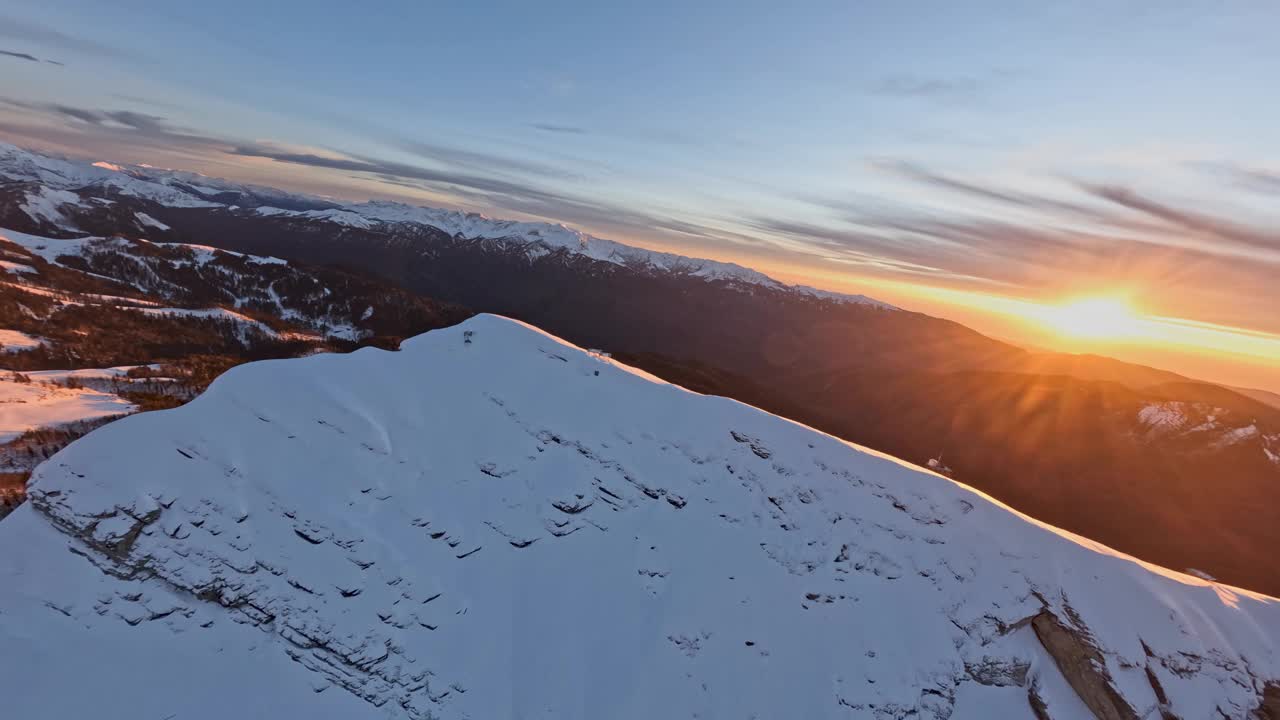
[492, 523]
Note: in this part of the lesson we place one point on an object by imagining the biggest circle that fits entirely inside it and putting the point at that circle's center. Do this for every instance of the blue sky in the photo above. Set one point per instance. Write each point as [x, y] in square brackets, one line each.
[1025, 150]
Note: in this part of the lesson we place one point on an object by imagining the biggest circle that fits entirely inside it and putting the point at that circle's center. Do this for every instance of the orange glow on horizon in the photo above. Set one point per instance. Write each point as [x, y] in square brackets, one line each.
[1100, 320]
[1093, 318]
[1103, 322]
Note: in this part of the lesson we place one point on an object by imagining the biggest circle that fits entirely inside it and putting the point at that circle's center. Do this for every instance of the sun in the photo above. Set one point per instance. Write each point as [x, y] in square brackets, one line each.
[1099, 318]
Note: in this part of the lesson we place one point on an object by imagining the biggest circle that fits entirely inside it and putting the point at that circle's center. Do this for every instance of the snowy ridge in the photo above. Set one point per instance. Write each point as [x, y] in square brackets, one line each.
[492, 523]
[541, 238]
[50, 249]
[60, 176]
[247, 323]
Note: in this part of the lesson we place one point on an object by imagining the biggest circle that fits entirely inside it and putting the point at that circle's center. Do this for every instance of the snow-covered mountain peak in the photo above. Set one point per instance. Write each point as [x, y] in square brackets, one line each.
[493, 523]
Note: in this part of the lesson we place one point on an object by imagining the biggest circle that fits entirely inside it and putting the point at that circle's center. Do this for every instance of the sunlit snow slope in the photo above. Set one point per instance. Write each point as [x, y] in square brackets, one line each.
[492, 523]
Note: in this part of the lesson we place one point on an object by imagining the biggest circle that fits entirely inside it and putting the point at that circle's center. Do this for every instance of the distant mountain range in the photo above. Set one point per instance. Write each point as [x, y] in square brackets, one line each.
[1179, 472]
[1262, 396]
[58, 189]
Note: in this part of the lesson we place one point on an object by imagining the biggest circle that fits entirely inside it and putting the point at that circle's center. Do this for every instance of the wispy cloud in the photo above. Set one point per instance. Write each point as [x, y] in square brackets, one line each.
[1096, 210]
[560, 129]
[119, 134]
[1265, 180]
[138, 100]
[30, 32]
[1250, 178]
[870, 251]
[1187, 220]
[482, 161]
[530, 198]
[440, 178]
[128, 120]
[1078, 238]
[982, 191]
[930, 88]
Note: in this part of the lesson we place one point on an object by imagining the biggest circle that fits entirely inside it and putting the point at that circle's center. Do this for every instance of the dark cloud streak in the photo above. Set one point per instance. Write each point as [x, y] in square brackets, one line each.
[1261, 180]
[1194, 222]
[1028, 201]
[478, 160]
[144, 123]
[561, 129]
[1266, 182]
[108, 132]
[20, 55]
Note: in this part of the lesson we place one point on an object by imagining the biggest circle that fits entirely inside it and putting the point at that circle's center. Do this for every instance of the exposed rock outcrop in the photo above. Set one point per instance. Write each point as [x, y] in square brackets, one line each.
[1269, 708]
[1081, 663]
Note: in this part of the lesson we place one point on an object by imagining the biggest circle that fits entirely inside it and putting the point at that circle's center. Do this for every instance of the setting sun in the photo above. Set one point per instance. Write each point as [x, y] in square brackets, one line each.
[1101, 318]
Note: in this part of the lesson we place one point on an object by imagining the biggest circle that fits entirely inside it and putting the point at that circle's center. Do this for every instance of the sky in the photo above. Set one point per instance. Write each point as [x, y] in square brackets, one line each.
[981, 161]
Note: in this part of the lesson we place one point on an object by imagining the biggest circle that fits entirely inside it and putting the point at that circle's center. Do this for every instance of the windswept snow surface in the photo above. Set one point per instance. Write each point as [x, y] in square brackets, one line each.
[492, 523]
[26, 406]
[86, 374]
[46, 203]
[16, 268]
[149, 221]
[205, 254]
[15, 341]
[50, 249]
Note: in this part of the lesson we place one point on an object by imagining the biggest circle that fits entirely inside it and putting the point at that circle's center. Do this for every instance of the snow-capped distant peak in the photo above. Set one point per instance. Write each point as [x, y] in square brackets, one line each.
[543, 237]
